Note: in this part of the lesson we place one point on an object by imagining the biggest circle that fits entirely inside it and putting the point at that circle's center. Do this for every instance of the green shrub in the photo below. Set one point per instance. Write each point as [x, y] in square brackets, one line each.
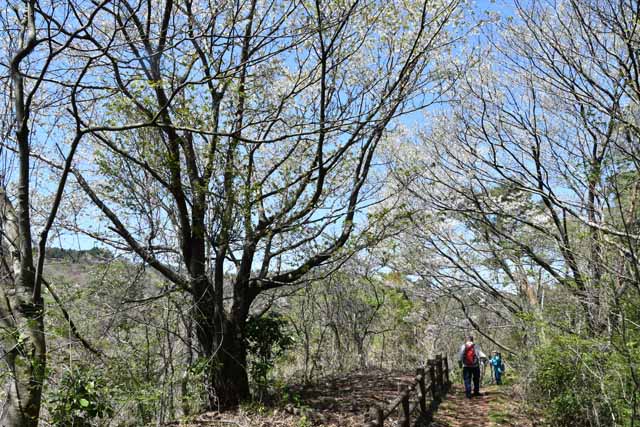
[81, 398]
[573, 382]
[267, 339]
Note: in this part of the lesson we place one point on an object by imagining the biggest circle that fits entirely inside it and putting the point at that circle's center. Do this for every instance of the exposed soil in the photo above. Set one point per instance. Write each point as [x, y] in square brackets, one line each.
[332, 402]
[498, 406]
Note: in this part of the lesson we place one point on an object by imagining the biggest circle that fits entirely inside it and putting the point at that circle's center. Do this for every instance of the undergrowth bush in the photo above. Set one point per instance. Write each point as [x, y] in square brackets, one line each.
[574, 383]
[267, 340]
[81, 398]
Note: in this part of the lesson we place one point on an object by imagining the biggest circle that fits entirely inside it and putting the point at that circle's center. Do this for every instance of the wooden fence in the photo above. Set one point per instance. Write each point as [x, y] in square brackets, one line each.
[423, 394]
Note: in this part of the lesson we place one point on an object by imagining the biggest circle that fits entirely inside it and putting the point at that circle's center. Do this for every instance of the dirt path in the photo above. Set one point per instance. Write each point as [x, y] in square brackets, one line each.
[497, 407]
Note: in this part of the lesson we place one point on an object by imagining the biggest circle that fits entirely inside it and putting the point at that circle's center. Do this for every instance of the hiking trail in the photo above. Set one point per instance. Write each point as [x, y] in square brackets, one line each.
[498, 406]
[342, 401]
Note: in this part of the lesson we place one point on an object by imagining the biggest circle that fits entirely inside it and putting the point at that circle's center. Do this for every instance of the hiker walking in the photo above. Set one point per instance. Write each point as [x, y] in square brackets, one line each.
[497, 366]
[469, 359]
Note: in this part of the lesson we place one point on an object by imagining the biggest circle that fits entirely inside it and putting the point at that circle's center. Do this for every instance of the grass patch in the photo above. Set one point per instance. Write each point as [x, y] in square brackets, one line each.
[501, 408]
[499, 417]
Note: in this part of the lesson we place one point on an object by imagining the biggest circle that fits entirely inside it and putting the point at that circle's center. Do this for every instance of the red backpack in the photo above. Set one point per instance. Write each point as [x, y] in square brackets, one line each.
[469, 354]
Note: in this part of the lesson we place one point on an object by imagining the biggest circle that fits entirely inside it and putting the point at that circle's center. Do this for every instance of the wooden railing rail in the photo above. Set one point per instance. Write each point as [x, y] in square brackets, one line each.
[437, 386]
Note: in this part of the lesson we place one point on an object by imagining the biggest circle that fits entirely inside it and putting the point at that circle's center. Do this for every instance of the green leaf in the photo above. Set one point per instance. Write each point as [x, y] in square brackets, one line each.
[84, 403]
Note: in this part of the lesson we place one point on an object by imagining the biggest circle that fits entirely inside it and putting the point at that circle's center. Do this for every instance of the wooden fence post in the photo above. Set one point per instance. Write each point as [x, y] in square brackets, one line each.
[439, 384]
[379, 417]
[432, 377]
[405, 416]
[439, 372]
[447, 380]
[422, 390]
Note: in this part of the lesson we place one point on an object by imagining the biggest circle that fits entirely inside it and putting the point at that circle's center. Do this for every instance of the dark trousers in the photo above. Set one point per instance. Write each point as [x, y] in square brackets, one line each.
[498, 376]
[469, 373]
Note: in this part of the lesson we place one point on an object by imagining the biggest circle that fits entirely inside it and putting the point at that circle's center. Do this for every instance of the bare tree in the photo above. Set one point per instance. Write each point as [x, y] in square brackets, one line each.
[34, 48]
[240, 139]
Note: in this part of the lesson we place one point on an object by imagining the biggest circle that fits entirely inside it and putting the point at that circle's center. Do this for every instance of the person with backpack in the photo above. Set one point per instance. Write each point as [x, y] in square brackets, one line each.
[497, 365]
[469, 359]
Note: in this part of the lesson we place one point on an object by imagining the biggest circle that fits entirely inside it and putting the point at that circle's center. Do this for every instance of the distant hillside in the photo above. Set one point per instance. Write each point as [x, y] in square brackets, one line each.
[73, 255]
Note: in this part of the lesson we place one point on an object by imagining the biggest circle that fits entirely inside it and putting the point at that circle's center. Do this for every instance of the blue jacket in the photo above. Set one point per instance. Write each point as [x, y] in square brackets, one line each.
[497, 364]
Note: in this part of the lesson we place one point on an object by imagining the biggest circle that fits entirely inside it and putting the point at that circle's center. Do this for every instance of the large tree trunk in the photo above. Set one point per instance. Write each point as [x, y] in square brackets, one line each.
[22, 325]
[229, 377]
[222, 342]
[227, 380]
